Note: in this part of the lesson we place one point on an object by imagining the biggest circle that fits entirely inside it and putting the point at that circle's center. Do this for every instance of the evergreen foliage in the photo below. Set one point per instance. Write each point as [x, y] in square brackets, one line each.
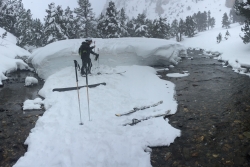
[9, 14]
[244, 10]
[37, 33]
[54, 27]
[85, 19]
[111, 27]
[160, 29]
[174, 28]
[190, 27]
[225, 21]
[23, 28]
[181, 29]
[141, 28]
[201, 20]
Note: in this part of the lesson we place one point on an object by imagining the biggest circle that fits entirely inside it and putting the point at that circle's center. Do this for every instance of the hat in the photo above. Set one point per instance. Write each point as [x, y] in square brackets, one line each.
[88, 40]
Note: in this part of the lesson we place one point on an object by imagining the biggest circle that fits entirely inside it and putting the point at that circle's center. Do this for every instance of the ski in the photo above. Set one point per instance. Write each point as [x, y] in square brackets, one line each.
[140, 108]
[136, 121]
[75, 88]
[107, 73]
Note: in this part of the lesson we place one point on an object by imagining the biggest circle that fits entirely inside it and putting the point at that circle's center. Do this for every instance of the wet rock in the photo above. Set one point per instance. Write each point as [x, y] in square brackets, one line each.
[9, 114]
[215, 155]
[186, 153]
[4, 123]
[168, 155]
[247, 134]
[241, 137]
[180, 124]
[2, 136]
[195, 154]
[200, 139]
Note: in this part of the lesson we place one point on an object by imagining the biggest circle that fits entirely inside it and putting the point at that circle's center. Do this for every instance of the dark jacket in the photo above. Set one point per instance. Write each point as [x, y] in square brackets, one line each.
[85, 51]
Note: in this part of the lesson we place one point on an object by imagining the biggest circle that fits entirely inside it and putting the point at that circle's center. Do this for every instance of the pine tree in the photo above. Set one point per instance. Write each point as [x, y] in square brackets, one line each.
[190, 27]
[141, 29]
[212, 22]
[85, 19]
[54, 27]
[71, 26]
[182, 29]
[236, 14]
[225, 21]
[201, 20]
[10, 12]
[161, 29]
[246, 30]
[174, 28]
[23, 28]
[131, 27]
[111, 22]
[244, 10]
[123, 23]
[37, 30]
[101, 26]
[208, 19]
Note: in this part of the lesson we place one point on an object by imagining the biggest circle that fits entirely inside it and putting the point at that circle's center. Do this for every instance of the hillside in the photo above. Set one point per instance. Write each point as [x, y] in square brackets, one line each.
[173, 9]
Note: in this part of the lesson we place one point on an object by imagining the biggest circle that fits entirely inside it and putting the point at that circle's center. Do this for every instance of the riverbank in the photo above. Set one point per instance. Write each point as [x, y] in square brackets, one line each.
[15, 124]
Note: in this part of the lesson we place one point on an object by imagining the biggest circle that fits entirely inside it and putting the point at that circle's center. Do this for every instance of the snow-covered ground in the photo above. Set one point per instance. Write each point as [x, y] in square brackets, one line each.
[59, 140]
[233, 49]
[58, 133]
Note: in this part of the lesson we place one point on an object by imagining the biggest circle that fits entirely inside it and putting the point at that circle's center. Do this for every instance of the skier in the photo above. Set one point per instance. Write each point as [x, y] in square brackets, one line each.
[85, 51]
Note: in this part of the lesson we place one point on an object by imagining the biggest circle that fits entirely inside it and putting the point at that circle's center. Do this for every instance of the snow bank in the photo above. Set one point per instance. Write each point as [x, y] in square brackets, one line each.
[9, 65]
[8, 52]
[32, 104]
[30, 81]
[113, 52]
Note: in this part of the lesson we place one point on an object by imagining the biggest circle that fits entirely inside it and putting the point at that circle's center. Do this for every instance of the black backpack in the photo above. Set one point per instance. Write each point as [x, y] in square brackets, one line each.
[82, 49]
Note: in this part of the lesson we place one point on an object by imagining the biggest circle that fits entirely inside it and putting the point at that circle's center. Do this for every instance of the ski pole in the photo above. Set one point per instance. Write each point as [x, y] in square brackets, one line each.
[98, 62]
[78, 92]
[87, 92]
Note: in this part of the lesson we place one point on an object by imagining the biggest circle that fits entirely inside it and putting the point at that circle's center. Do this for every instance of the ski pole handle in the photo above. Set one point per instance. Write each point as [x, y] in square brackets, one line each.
[76, 70]
[75, 63]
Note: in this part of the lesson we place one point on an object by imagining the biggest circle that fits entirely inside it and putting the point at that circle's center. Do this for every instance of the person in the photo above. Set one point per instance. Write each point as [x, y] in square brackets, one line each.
[85, 51]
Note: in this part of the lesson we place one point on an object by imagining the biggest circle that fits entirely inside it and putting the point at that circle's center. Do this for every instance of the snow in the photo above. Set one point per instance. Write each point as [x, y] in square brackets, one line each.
[177, 75]
[8, 52]
[232, 50]
[29, 81]
[114, 52]
[32, 104]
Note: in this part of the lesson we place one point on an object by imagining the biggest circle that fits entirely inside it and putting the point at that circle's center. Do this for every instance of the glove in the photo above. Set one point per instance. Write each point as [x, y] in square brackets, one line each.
[96, 57]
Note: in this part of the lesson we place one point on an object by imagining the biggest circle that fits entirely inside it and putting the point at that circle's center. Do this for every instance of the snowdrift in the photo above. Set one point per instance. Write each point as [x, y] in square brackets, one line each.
[8, 52]
[113, 52]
